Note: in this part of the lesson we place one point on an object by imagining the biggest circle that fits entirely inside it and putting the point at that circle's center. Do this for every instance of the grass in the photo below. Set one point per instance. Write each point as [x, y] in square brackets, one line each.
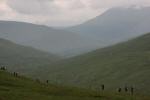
[21, 88]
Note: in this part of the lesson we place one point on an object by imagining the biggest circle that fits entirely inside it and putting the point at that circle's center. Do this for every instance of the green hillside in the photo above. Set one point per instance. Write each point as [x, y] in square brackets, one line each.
[21, 88]
[125, 64]
[23, 59]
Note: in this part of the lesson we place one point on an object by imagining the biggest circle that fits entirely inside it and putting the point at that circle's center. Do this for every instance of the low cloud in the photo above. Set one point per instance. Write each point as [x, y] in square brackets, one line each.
[120, 3]
[33, 7]
[59, 12]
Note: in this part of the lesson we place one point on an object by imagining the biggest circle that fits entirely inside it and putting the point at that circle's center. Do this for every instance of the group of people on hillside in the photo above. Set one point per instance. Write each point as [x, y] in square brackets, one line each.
[126, 89]
[3, 68]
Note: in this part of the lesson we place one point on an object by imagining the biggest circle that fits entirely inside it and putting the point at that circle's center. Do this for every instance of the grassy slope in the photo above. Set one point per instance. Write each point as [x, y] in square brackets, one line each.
[21, 88]
[23, 59]
[123, 64]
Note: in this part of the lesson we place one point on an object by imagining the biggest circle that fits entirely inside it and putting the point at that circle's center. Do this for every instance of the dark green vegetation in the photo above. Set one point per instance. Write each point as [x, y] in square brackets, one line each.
[21, 88]
[23, 59]
[124, 64]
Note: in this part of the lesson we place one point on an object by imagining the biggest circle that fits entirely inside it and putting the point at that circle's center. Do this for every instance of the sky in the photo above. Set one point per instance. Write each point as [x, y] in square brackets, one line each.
[60, 12]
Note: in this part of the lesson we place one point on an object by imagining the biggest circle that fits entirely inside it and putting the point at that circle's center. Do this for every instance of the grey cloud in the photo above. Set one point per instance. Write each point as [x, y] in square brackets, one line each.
[33, 7]
[61, 12]
[75, 4]
[2, 13]
[118, 3]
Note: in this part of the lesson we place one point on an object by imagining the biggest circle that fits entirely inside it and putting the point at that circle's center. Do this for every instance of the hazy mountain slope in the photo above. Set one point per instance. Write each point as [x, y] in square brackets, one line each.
[116, 24]
[46, 38]
[21, 88]
[23, 59]
[123, 64]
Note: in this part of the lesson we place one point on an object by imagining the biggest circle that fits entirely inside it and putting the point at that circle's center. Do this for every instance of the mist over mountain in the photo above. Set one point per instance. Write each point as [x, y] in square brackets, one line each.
[113, 26]
[45, 38]
[116, 24]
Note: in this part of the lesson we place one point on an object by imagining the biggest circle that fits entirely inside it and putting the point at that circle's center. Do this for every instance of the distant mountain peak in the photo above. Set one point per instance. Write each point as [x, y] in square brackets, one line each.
[116, 25]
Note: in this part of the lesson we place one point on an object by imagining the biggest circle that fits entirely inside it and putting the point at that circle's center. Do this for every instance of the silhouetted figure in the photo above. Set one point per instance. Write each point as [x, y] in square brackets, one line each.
[15, 74]
[126, 89]
[47, 81]
[103, 87]
[119, 90]
[3, 68]
[132, 90]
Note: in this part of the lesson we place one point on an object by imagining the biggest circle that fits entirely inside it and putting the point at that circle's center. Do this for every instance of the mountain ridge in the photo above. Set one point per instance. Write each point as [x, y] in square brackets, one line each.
[116, 25]
[56, 41]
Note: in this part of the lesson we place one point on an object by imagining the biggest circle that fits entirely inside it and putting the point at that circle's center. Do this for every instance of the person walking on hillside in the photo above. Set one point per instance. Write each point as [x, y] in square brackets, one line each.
[47, 81]
[132, 90]
[119, 90]
[103, 87]
[126, 89]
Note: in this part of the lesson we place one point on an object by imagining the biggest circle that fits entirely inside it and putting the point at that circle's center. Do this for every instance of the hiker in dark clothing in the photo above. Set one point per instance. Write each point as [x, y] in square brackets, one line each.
[103, 87]
[47, 81]
[3, 68]
[132, 90]
[126, 89]
[15, 74]
[119, 90]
